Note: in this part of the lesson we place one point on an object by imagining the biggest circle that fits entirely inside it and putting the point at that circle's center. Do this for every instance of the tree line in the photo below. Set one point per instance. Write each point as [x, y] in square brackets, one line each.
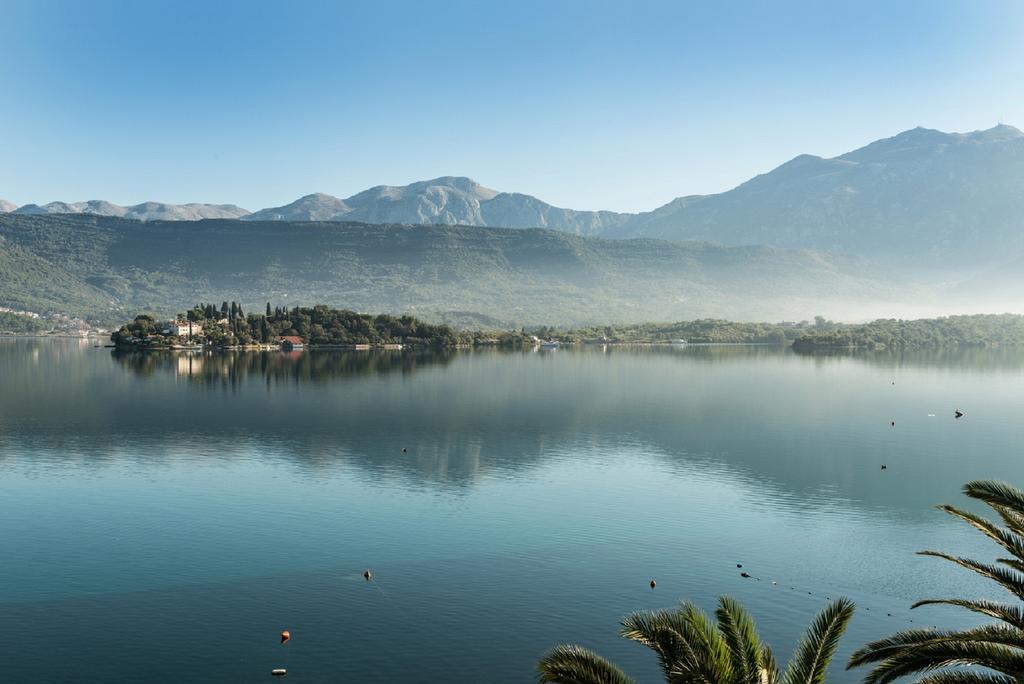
[980, 330]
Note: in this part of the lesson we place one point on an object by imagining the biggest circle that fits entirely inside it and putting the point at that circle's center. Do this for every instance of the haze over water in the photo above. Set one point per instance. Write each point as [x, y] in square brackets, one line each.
[164, 517]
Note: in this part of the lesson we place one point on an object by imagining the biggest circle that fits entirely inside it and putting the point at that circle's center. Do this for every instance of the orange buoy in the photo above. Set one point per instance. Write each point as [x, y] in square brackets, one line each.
[285, 636]
[653, 584]
[367, 575]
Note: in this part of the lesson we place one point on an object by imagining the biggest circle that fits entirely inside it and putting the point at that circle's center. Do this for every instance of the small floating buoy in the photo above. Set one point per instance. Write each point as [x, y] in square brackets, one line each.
[404, 450]
[894, 423]
[367, 575]
[739, 565]
[279, 672]
[743, 574]
[653, 584]
[883, 466]
[285, 636]
[774, 583]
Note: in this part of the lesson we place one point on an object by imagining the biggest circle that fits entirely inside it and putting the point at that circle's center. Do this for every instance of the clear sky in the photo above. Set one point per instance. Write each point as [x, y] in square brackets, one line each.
[612, 105]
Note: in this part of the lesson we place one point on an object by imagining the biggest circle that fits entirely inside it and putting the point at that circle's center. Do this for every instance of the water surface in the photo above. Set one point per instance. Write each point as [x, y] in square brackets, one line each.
[163, 517]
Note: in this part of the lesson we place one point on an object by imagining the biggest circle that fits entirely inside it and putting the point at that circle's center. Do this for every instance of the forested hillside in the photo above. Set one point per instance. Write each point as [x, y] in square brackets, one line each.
[108, 269]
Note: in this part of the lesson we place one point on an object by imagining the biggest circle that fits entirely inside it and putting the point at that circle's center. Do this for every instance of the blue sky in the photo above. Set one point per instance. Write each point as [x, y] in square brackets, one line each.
[587, 104]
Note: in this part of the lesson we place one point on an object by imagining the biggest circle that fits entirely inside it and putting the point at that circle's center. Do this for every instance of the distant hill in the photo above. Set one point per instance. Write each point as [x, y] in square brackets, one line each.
[147, 211]
[921, 196]
[452, 201]
[315, 207]
[106, 267]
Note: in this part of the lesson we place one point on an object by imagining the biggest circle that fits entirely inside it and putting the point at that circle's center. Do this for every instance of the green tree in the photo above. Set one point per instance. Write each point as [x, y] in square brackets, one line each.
[999, 646]
[694, 650]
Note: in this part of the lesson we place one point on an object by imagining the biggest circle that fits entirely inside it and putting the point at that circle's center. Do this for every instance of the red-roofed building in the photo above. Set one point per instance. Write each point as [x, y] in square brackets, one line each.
[290, 342]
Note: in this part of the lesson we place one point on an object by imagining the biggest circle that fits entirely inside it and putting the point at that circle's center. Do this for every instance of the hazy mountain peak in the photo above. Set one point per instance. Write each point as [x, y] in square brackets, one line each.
[318, 206]
[459, 185]
[97, 207]
[159, 211]
[146, 211]
[949, 198]
[997, 133]
[914, 139]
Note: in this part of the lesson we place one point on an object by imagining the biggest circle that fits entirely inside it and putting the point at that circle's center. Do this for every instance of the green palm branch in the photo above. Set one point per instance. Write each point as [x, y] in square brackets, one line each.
[694, 649]
[939, 656]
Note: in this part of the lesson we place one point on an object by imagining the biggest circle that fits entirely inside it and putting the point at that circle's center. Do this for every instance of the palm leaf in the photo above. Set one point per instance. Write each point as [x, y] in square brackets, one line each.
[1009, 614]
[996, 493]
[942, 653]
[663, 632]
[769, 670]
[883, 648]
[1009, 540]
[810, 661]
[740, 634]
[1010, 580]
[962, 677]
[577, 665]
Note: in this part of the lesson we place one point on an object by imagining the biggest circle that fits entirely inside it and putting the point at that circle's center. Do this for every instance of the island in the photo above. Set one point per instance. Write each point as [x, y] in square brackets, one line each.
[228, 326]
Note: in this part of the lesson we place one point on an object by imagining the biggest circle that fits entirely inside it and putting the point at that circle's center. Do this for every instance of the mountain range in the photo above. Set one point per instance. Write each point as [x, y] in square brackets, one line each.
[147, 211]
[922, 223]
[938, 195]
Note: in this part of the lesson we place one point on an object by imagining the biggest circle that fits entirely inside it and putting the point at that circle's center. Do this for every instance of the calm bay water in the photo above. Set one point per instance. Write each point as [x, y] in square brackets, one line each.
[163, 518]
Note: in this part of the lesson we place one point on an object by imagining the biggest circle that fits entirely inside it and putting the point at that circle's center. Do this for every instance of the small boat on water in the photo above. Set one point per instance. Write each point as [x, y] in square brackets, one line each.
[551, 344]
[679, 342]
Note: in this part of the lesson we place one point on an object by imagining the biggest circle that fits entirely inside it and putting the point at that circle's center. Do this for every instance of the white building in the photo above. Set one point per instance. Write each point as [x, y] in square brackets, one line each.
[180, 328]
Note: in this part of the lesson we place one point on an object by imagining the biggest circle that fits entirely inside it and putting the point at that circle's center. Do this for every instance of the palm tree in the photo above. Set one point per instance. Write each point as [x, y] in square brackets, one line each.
[999, 646]
[694, 650]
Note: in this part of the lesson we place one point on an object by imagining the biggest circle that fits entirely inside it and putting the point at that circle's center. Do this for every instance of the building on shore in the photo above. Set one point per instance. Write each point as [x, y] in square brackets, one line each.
[290, 342]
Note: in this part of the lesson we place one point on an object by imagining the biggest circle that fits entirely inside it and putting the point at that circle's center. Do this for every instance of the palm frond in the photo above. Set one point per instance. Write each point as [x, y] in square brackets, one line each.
[1010, 580]
[663, 632]
[1011, 615]
[740, 634]
[1011, 541]
[707, 657]
[1013, 519]
[881, 649]
[769, 669]
[943, 653]
[996, 493]
[573, 664]
[963, 677]
[810, 661]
